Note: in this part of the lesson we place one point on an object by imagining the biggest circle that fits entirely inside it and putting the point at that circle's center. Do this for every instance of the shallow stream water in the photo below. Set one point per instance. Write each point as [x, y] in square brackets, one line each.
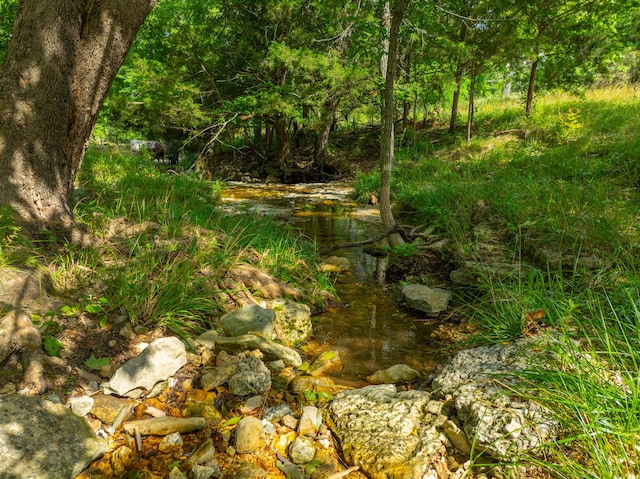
[371, 331]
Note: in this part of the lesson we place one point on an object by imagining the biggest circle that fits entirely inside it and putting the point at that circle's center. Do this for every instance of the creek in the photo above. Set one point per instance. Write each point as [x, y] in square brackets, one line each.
[370, 330]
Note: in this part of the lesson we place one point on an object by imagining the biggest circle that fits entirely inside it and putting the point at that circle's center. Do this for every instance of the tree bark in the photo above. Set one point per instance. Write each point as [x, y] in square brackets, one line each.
[387, 147]
[471, 110]
[323, 130]
[281, 127]
[531, 88]
[58, 68]
[456, 100]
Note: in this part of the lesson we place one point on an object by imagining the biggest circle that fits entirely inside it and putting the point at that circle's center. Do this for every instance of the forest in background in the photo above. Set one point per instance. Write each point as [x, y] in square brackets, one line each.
[274, 79]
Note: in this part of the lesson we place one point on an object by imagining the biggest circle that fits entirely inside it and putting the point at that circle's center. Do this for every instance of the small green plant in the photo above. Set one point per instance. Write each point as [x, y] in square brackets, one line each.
[405, 250]
[96, 363]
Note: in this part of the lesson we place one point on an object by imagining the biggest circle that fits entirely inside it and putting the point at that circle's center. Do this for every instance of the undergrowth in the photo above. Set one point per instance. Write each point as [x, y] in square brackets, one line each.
[565, 178]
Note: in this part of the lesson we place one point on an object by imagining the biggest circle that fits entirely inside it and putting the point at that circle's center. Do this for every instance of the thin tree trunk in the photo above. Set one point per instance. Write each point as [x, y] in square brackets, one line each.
[387, 147]
[472, 91]
[453, 122]
[323, 130]
[531, 88]
[282, 133]
[58, 68]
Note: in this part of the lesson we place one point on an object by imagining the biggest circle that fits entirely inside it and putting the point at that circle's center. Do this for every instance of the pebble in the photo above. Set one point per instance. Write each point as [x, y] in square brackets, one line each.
[205, 452]
[171, 443]
[309, 421]
[249, 435]
[302, 450]
[81, 405]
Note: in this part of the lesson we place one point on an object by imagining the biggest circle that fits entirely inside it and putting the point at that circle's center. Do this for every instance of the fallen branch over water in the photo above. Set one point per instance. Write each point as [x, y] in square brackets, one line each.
[353, 244]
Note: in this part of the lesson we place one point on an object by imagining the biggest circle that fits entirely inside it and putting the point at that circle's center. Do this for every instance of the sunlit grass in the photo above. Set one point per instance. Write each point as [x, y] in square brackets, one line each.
[168, 268]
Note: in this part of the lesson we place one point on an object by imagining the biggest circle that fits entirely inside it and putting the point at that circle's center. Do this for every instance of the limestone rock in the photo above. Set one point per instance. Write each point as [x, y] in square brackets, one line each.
[81, 405]
[162, 426]
[205, 452]
[112, 411]
[499, 424]
[302, 450]
[272, 351]
[251, 377]
[159, 361]
[293, 321]
[171, 443]
[250, 319]
[42, 440]
[249, 435]
[335, 264]
[327, 361]
[395, 374]
[428, 300]
[310, 421]
[300, 384]
[217, 376]
[389, 434]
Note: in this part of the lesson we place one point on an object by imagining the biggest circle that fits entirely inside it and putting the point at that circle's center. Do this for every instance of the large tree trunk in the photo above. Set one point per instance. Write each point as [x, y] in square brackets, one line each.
[531, 88]
[387, 147]
[59, 65]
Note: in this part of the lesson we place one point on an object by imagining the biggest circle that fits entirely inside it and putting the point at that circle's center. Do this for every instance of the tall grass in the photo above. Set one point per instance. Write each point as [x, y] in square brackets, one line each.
[168, 268]
[564, 176]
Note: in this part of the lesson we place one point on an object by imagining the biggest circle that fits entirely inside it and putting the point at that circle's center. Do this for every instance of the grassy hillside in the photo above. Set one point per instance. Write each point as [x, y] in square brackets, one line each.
[565, 179]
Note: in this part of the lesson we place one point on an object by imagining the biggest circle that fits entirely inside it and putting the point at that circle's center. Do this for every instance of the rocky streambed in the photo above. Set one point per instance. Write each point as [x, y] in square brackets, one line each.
[261, 396]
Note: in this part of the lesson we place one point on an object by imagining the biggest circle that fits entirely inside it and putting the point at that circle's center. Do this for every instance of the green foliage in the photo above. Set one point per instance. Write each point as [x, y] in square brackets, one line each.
[96, 363]
[175, 243]
[592, 390]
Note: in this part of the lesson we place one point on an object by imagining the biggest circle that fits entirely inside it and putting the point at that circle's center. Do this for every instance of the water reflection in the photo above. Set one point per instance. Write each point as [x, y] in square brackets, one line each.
[370, 332]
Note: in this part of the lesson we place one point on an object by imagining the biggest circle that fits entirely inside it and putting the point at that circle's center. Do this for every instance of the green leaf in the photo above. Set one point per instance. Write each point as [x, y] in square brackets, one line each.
[311, 396]
[93, 308]
[96, 363]
[311, 467]
[304, 366]
[232, 422]
[52, 346]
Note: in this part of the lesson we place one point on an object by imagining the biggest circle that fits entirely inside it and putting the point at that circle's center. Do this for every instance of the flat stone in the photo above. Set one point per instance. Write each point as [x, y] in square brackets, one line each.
[335, 264]
[217, 376]
[328, 361]
[272, 351]
[250, 319]
[205, 452]
[43, 440]
[425, 299]
[395, 374]
[310, 421]
[158, 362]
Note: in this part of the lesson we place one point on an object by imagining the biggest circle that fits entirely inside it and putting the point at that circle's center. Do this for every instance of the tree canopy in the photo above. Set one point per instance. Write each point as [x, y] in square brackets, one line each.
[274, 77]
